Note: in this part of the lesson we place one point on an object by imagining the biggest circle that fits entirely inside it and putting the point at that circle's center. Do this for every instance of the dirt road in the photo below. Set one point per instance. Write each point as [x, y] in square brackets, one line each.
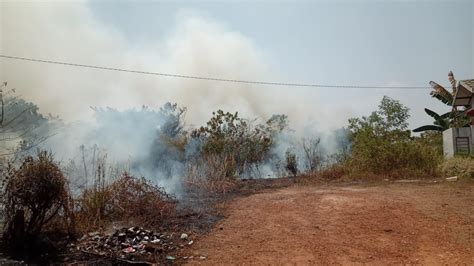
[414, 223]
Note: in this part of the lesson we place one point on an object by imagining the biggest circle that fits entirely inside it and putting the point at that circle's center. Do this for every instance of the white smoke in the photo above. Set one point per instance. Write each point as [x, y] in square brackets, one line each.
[195, 45]
[68, 32]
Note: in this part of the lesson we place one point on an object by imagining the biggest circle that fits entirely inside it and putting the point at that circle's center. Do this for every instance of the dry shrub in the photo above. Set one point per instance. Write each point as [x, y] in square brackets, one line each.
[137, 199]
[462, 167]
[333, 172]
[291, 163]
[210, 174]
[34, 195]
[128, 199]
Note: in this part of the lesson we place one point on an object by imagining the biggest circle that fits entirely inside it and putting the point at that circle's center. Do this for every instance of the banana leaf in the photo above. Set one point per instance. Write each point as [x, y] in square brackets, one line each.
[442, 123]
[432, 114]
[446, 115]
[440, 93]
[428, 127]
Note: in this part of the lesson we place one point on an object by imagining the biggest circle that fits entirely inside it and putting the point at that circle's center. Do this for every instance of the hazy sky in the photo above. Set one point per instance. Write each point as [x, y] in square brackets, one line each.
[353, 42]
[324, 42]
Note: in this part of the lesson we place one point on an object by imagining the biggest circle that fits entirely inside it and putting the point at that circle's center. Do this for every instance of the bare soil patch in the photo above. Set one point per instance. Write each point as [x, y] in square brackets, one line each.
[425, 222]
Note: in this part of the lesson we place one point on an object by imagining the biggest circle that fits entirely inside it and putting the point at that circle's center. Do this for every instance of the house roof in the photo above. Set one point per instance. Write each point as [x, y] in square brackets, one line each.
[464, 93]
[468, 84]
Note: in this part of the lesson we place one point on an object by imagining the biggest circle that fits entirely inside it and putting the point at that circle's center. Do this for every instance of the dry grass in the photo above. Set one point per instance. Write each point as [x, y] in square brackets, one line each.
[210, 175]
[139, 200]
[462, 167]
[333, 172]
[130, 199]
[345, 172]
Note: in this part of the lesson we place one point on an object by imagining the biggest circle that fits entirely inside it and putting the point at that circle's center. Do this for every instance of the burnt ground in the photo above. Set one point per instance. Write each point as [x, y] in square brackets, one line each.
[426, 222]
[302, 221]
[196, 214]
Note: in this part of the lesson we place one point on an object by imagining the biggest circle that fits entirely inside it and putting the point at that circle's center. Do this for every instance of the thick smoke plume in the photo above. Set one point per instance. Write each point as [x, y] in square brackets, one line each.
[195, 45]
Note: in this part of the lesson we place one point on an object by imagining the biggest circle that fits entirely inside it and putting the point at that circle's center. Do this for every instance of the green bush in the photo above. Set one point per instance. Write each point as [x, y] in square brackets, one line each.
[463, 167]
[382, 144]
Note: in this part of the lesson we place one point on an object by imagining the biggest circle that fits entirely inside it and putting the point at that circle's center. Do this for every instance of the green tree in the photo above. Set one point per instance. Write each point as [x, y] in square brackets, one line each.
[381, 142]
[389, 121]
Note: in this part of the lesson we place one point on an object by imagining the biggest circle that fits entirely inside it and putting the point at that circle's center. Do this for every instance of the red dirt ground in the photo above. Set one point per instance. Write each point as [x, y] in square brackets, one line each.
[392, 223]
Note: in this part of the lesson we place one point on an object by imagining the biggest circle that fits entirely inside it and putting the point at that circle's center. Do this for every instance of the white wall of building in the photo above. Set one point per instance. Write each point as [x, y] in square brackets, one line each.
[449, 139]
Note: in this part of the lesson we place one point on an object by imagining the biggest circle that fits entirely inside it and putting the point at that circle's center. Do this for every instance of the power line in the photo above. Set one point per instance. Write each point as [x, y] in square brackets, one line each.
[211, 78]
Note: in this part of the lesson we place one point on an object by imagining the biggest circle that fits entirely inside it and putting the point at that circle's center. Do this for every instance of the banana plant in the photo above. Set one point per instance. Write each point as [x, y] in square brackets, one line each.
[441, 123]
[454, 118]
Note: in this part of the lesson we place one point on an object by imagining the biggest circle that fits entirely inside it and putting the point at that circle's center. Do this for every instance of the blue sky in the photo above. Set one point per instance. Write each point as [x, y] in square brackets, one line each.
[324, 42]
